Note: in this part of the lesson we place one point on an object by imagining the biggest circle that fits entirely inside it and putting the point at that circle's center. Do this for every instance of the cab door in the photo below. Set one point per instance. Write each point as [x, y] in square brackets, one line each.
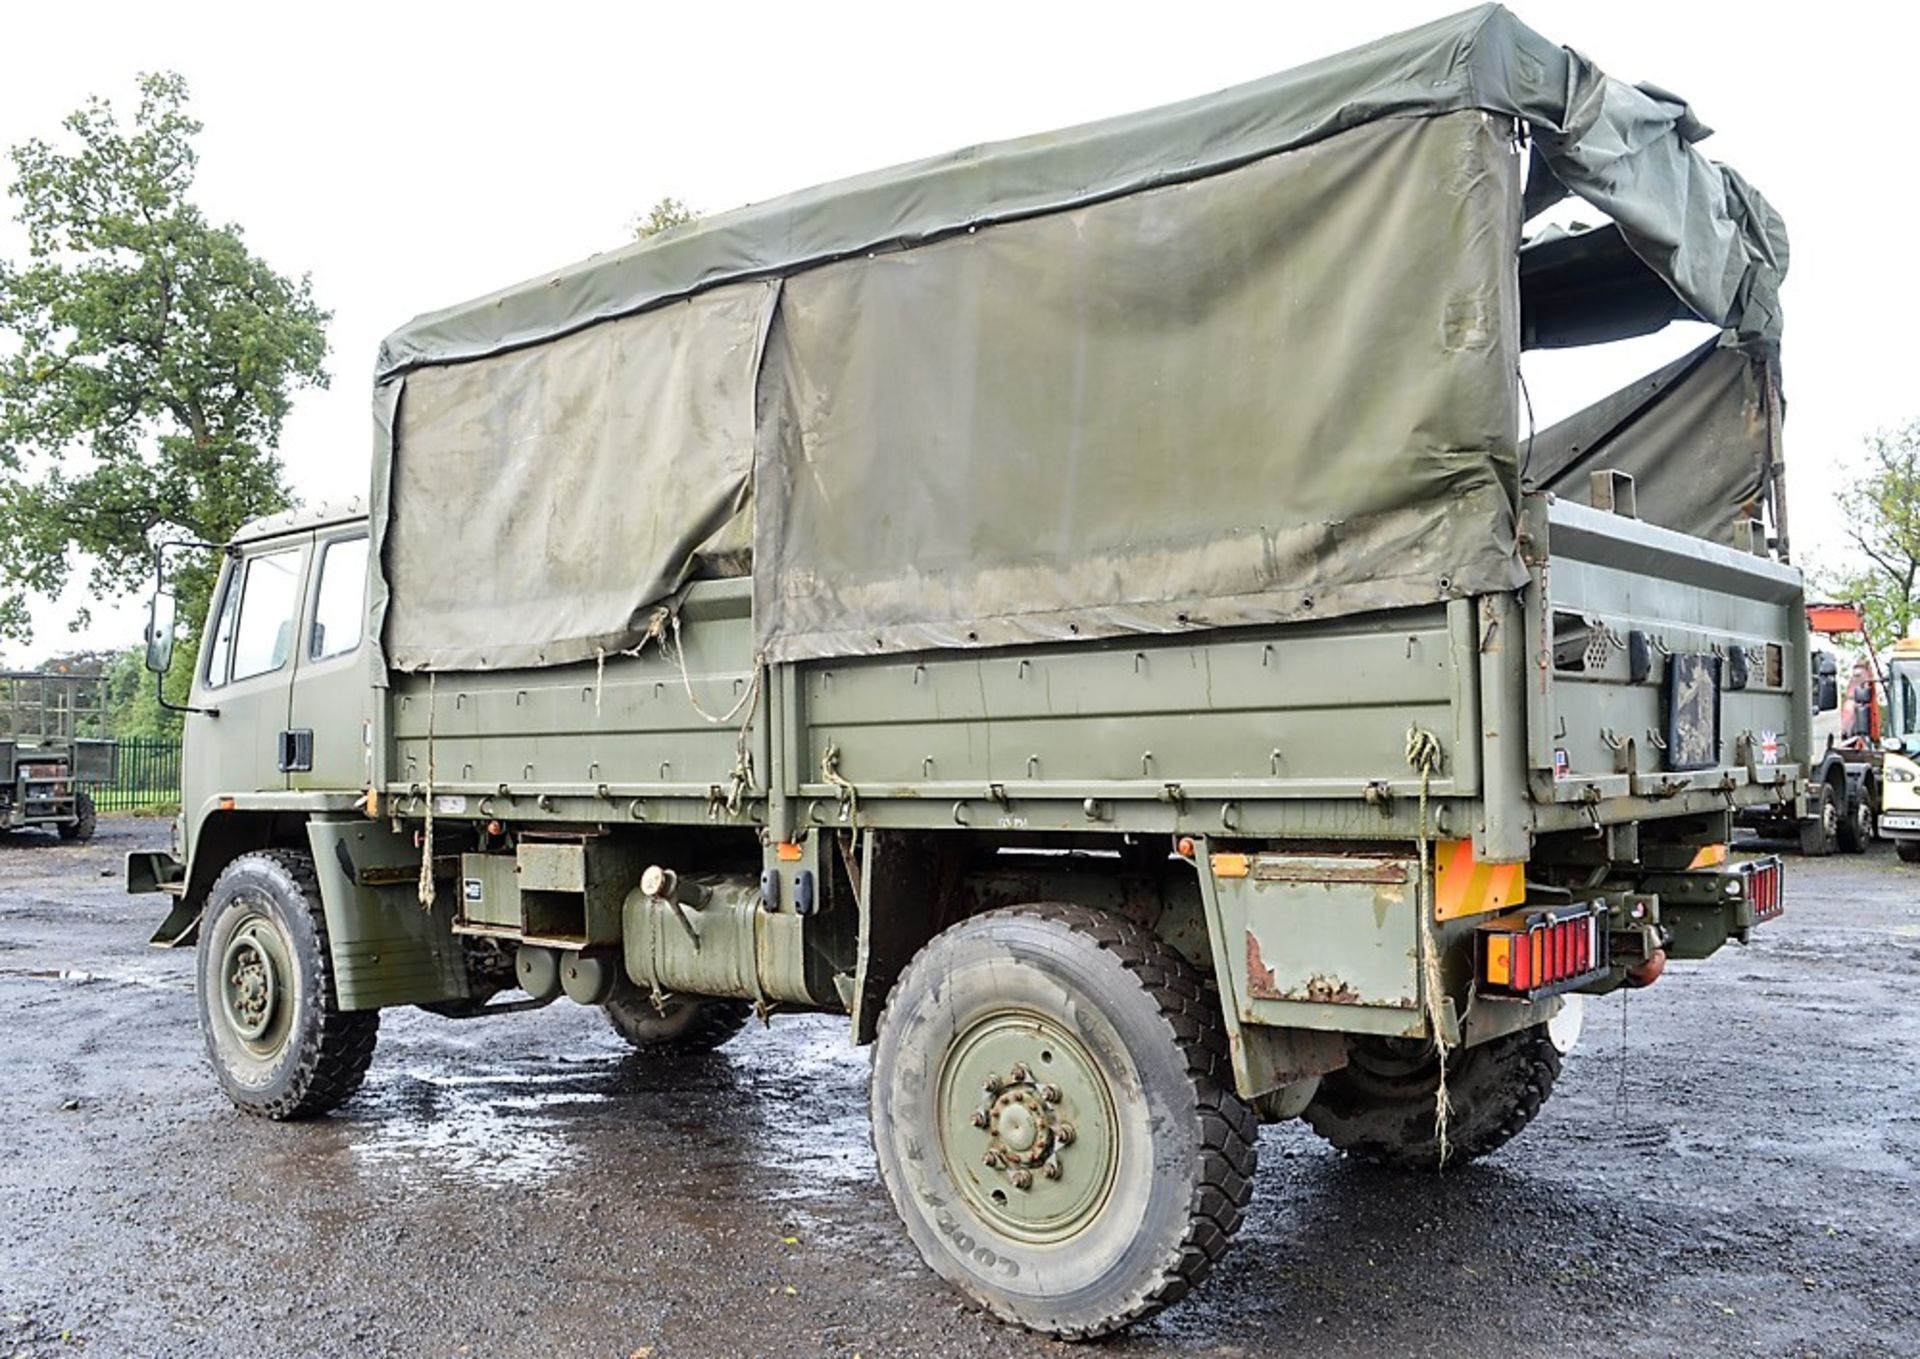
[328, 738]
[245, 674]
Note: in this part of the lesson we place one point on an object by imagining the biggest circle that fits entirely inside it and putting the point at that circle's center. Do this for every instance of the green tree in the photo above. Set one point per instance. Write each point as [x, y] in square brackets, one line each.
[132, 705]
[663, 216]
[147, 361]
[1881, 504]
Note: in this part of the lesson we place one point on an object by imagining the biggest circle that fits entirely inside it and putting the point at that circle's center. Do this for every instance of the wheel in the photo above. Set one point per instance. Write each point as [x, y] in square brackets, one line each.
[1821, 830]
[684, 1025]
[1856, 828]
[1908, 850]
[85, 819]
[1054, 1118]
[280, 1049]
[1379, 1107]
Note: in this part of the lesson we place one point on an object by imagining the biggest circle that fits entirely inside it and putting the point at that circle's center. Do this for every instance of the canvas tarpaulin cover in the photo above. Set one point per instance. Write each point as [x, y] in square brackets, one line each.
[575, 481]
[1246, 357]
[1695, 436]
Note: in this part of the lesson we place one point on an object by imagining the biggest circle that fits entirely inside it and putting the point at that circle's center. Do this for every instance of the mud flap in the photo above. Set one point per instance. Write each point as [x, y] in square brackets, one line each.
[387, 948]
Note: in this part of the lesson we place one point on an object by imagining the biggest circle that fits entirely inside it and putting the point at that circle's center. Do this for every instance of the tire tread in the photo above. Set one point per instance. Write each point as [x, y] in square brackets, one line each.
[332, 1060]
[1223, 1184]
[1519, 1069]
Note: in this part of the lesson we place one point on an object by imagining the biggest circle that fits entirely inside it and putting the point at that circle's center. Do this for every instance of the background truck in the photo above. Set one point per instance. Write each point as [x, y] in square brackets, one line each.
[1843, 803]
[1084, 610]
[51, 751]
[1900, 750]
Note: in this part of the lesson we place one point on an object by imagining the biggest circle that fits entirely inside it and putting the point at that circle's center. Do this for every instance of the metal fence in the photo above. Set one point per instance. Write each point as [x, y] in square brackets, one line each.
[147, 776]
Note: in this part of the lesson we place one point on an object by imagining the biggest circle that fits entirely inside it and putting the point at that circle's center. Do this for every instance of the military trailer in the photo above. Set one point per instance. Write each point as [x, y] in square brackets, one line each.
[51, 751]
[1087, 610]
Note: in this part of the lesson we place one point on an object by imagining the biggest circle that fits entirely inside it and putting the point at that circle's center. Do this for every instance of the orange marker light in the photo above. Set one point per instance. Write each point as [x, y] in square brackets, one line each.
[1500, 959]
[226, 804]
[1230, 865]
[788, 852]
[1184, 847]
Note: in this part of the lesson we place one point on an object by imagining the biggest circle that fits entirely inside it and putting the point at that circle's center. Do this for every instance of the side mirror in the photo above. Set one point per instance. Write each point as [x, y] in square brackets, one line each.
[1894, 744]
[1826, 693]
[160, 632]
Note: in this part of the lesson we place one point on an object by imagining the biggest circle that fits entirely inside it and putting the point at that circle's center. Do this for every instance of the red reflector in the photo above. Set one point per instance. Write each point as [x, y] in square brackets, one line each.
[1766, 889]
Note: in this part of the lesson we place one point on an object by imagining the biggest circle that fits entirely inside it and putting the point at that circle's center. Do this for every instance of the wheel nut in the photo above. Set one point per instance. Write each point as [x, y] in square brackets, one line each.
[1019, 1073]
[979, 1119]
[991, 1085]
[1064, 1132]
[990, 1161]
[1050, 1094]
[1023, 1179]
[1052, 1169]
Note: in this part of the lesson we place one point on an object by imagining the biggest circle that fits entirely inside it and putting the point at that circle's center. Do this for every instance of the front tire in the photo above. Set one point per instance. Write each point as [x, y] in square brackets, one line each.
[1055, 1120]
[1379, 1107]
[280, 1047]
[1856, 829]
[85, 820]
[1908, 850]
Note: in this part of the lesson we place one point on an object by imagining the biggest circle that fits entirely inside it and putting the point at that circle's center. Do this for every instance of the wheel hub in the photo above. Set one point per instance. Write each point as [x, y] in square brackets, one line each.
[1011, 1138]
[252, 985]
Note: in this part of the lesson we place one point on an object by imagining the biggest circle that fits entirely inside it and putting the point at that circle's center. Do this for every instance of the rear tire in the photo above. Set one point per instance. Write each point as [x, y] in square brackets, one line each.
[682, 1025]
[1054, 1118]
[1908, 850]
[1821, 830]
[1379, 1107]
[85, 820]
[279, 1045]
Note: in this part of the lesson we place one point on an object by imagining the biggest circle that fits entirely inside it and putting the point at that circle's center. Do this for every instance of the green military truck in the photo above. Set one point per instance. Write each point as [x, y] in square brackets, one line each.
[1088, 610]
[51, 751]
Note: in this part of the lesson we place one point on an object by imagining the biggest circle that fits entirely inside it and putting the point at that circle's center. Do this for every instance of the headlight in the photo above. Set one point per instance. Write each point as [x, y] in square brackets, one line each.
[1899, 774]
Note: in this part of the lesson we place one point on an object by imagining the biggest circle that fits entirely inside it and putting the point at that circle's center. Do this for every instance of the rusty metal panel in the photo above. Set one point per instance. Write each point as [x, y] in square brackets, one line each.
[1325, 942]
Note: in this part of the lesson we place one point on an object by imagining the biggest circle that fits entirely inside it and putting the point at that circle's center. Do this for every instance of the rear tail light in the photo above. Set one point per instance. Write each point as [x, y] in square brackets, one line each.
[1542, 952]
[1765, 888]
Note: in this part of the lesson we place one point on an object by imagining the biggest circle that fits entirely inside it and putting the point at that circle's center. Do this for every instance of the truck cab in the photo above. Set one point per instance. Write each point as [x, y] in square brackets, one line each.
[280, 704]
[1900, 789]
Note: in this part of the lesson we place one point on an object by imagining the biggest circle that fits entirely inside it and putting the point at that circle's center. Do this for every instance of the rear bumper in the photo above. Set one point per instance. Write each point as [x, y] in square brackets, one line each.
[1700, 911]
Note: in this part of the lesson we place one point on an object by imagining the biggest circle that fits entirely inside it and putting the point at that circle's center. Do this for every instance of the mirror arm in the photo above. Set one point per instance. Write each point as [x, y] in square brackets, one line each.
[160, 692]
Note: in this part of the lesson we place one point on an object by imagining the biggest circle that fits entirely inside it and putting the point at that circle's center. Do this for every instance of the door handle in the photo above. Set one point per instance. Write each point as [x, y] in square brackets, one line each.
[296, 750]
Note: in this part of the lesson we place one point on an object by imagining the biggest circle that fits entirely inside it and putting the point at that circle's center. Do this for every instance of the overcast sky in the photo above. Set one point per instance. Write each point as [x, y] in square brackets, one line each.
[410, 156]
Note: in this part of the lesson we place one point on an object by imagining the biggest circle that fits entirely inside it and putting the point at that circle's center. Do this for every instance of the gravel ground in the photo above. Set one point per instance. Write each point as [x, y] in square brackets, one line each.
[1729, 1166]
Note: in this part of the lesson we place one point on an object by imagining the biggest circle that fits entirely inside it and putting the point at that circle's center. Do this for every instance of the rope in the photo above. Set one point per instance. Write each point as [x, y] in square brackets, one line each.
[679, 653]
[849, 795]
[1424, 757]
[664, 628]
[427, 889]
[1621, 1110]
